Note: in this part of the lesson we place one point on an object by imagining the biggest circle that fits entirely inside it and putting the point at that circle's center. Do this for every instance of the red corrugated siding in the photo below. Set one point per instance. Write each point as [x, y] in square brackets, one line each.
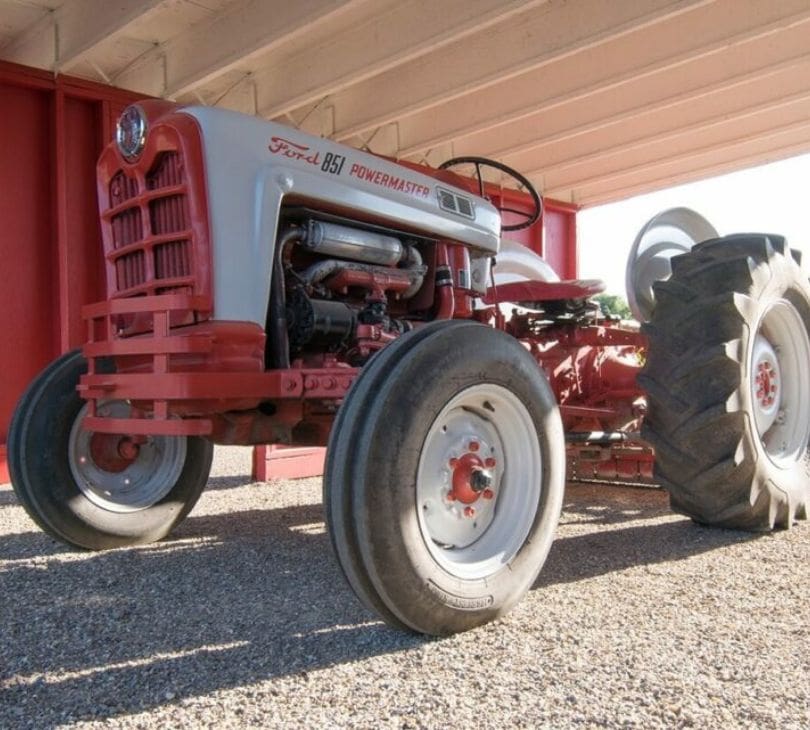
[53, 130]
[28, 294]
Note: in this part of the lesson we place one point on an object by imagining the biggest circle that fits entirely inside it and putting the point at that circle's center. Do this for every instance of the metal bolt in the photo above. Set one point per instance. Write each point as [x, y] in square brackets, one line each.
[489, 463]
[469, 512]
[474, 446]
[480, 479]
[488, 494]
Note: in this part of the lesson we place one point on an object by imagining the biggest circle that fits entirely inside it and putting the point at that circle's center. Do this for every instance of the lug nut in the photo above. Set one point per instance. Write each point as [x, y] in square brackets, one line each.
[474, 446]
[469, 512]
[488, 494]
[489, 462]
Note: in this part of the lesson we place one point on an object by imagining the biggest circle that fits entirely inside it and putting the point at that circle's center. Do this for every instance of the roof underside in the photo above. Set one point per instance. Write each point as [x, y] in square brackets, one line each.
[593, 100]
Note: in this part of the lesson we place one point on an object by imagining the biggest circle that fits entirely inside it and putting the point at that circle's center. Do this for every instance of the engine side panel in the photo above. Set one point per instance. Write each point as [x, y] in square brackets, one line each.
[252, 165]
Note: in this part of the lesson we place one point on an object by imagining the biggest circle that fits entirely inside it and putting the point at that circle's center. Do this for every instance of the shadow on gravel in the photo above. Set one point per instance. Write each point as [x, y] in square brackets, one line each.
[580, 557]
[7, 497]
[228, 482]
[231, 600]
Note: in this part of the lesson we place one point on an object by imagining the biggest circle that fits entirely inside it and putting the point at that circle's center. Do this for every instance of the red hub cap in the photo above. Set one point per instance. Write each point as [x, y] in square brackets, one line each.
[113, 453]
[471, 478]
[766, 383]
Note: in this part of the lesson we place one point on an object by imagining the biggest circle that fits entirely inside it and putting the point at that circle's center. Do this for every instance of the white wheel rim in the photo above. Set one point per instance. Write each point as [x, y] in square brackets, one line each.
[473, 525]
[145, 479]
[779, 383]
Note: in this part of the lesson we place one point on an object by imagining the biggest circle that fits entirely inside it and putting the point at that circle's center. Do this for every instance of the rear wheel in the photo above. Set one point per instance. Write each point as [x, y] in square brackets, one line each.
[444, 478]
[728, 380]
[96, 490]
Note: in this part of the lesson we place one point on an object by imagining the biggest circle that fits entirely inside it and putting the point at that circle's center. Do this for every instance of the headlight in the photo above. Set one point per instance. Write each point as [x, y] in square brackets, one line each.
[130, 132]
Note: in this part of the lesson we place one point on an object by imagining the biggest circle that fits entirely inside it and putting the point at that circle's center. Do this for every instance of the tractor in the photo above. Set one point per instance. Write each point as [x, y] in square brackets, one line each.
[265, 286]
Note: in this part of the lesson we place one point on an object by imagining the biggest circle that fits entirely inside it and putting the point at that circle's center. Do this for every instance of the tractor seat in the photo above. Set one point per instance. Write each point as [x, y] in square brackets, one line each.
[543, 291]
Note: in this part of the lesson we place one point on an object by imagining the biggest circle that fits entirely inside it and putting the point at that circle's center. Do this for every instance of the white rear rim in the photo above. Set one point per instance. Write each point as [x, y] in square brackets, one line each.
[479, 481]
[780, 383]
[119, 474]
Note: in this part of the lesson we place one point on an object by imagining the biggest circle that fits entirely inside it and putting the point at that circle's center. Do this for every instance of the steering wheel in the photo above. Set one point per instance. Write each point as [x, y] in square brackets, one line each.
[479, 162]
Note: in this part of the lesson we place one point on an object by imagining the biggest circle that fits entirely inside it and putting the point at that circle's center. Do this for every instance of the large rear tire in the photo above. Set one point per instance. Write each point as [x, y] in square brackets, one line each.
[728, 383]
[97, 491]
[444, 478]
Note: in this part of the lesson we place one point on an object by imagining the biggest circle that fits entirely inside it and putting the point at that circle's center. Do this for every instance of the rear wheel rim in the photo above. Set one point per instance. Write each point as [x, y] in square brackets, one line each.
[779, 383]
[479, 481]
[138, 482]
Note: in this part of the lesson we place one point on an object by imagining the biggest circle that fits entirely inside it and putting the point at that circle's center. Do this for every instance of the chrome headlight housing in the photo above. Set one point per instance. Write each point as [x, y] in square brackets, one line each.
[130, 132]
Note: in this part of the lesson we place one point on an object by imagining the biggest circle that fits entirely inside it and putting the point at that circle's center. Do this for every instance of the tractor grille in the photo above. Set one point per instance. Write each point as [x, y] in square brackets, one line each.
[152, 248]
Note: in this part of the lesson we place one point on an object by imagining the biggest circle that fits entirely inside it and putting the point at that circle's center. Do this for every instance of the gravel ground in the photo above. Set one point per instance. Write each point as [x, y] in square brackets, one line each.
[639, 619]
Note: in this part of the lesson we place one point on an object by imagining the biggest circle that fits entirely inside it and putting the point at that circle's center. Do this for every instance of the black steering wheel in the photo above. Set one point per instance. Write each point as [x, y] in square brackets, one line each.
[479, 162]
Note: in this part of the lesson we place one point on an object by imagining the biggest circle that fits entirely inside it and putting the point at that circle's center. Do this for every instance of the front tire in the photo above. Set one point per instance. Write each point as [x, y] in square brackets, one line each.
[444, 479]
[728, 384]
[87, 490]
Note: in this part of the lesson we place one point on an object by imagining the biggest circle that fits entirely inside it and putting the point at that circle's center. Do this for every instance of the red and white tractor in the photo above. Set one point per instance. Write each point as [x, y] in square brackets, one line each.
[267, 286]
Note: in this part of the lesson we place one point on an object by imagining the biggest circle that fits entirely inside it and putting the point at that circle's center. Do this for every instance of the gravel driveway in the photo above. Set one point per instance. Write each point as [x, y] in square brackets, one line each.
[639, 619]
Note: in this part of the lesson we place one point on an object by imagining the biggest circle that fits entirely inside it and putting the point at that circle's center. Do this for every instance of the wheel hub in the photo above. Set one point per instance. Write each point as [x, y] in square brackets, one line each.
[466, 497]
[478, 481]
[472, 477]
[780, 384]
[766, 383]
[123, 473]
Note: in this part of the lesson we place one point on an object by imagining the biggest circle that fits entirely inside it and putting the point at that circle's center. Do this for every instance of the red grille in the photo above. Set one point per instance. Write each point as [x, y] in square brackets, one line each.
[154, 222]
[127, 228]
[122, 188]
[168, 215]
[168, 172]
[172, 260]
[144, 212]
[130, 271]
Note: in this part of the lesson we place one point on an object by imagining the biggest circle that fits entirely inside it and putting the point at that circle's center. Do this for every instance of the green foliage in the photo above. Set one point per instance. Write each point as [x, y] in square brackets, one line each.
[614, 306]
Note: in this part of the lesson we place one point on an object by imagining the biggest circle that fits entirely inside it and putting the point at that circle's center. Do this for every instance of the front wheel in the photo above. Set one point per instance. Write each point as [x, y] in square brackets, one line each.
[445, 477]
[95, 490]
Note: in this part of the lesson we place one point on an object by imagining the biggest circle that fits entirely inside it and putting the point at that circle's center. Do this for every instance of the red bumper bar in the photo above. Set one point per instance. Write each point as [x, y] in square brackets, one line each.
[180, 378]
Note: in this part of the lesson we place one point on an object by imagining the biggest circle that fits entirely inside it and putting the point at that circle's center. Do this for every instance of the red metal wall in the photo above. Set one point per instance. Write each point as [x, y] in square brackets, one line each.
[53, 129]
[52, 132]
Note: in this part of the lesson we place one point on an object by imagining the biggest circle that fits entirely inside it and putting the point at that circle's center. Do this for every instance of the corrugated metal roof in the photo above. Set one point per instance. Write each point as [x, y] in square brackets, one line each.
[594, 100]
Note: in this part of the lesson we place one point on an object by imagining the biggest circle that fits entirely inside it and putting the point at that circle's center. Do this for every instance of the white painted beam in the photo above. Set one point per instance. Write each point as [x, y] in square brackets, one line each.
[740, 157]
[702, 36]
[393, 36]
[615, 163]
[64, 36]
[535, 134]
[719, 146]
[212, 48]
[779, 101]
[526, 41]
